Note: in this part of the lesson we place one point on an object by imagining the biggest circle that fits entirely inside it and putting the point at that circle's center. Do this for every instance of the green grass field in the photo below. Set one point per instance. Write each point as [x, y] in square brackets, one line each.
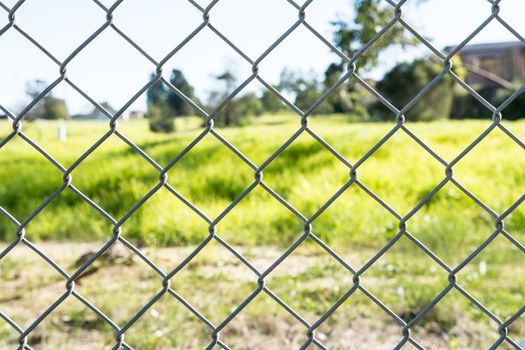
[306, 175]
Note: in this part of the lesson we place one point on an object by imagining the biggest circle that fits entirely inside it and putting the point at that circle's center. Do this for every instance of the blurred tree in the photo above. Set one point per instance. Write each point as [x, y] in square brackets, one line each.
[159, 113]
[48, 107]
[516, 109]
[228, 115]
[229, 80]
[271, 102]
[156, 92]
[370, 16]
[248, 105]
[158, 120]
[107, 107]
[33, 89]
[305, 88]
[406, 80]
[349, 36]
[340, 100]
[240, 109]
[176, 103]
[349, 97]
[160, 93]
[55, 108]
[466, 106]
[164, 104]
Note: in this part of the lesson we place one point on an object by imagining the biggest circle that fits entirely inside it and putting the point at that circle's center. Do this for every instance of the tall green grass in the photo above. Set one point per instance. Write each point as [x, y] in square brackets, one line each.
[211, 176]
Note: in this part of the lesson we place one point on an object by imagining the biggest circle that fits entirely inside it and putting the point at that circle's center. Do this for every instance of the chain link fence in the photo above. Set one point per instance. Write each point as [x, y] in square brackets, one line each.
[352, 63]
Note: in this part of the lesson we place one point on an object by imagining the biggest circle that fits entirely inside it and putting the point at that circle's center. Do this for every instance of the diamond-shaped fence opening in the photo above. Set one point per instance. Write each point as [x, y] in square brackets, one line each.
[58, 16]
[105, 68]
[138, 281]
[136, 176]
[434, 219]
[311, 192]
[211, 272]
[206, 48]
[264, 324]
[353, 320]
[211, 176]
[510, 184]
[317, 168]
[165, 322]
[398, 294]
[29, 60]
[379, 171]
[181, 225]
[310, 291]
[75, 324]
[250, 18]
[31, 285]
[376, 223]
[478, 272]
[281, 230]
[16, 155]
[168, 24]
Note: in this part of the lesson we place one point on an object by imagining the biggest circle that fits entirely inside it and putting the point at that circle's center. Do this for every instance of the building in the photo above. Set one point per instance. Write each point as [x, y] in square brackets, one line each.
[493, 63]
[95, 115]
[133, 115]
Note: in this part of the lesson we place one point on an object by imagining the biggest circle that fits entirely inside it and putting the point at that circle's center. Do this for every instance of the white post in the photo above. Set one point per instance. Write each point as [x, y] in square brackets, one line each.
[62, 132]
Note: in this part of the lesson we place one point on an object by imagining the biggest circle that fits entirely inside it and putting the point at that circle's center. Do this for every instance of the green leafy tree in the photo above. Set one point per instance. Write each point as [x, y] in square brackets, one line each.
[349, 36]
[370, 16]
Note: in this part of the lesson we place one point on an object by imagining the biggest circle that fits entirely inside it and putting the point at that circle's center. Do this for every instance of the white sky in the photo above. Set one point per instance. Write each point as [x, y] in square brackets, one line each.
[109, 69]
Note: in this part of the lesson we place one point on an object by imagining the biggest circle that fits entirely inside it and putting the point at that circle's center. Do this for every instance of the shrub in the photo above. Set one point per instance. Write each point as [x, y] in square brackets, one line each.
[159, 120]
[238, 111]
[516, 109]
[405, 81]
[55, 108]
[466, 106]
[162, 125]
[271, 102]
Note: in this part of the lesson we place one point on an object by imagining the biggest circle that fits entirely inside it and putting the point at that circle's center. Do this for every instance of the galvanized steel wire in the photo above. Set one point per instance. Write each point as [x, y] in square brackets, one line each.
[351, 74]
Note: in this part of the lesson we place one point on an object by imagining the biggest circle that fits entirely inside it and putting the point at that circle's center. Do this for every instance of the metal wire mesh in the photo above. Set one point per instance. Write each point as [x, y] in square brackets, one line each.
[303, 127]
